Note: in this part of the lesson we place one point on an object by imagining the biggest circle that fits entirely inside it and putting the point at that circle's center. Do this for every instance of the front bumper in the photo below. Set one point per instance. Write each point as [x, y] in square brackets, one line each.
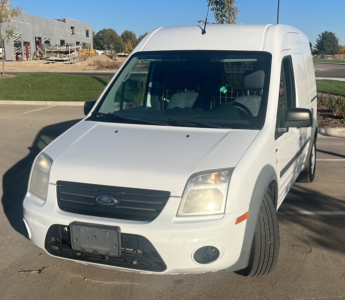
[175, 240]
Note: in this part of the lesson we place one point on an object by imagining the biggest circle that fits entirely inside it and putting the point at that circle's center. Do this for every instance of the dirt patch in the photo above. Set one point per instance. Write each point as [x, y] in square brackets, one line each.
[91, 60]
[6, 76]
[93, 63]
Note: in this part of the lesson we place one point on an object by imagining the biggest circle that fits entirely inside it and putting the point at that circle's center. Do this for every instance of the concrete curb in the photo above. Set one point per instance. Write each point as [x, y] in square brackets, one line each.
[329, 63]
[327, 78]
[335, 132]
[43, 103]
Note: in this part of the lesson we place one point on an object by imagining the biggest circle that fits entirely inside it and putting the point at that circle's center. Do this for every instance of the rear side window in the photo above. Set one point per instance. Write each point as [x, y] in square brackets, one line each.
[287, 94]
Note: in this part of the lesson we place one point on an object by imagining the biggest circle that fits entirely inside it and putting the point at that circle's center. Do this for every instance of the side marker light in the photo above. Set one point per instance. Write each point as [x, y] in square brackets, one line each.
[242, 218]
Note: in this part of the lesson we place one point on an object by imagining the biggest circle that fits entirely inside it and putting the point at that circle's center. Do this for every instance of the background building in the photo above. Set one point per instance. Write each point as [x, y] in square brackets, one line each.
[31, 32]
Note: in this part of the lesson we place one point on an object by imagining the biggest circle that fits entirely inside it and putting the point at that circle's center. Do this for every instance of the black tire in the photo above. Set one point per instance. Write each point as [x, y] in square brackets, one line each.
[266, 242]
[308, 173]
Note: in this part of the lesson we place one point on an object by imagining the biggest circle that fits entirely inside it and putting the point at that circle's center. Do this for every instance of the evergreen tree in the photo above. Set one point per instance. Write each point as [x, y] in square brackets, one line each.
[327, 43]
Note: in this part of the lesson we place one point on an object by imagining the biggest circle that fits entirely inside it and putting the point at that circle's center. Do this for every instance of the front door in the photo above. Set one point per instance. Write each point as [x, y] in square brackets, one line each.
[289, 140]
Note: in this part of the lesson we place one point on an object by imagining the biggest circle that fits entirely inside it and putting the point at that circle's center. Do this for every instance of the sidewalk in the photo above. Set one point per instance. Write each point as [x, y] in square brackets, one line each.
[43, 103]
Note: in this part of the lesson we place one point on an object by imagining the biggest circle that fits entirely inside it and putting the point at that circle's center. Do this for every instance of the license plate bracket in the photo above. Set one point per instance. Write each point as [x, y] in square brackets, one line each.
[96, 239]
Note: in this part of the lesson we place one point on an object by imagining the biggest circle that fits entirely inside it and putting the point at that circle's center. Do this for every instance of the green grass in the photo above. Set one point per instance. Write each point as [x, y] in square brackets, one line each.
[331, 87]
[57, 87]
[331, 61]
[52, 87]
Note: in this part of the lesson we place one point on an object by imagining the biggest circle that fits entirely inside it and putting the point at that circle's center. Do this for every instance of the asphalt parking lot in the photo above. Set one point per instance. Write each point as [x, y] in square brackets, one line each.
[312, 227]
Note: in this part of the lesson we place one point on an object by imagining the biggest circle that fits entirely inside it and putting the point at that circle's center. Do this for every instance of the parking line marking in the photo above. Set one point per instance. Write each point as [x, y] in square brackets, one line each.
[306, 212]
[26, 112]
[330, 159]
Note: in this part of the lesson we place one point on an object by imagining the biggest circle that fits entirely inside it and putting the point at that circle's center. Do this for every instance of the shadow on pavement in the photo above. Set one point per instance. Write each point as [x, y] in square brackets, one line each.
[330, 153]
[15, 180]
[323, 229]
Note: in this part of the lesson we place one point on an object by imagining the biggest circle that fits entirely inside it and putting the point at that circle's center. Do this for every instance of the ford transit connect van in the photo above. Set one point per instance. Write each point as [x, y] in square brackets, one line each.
[183, 161]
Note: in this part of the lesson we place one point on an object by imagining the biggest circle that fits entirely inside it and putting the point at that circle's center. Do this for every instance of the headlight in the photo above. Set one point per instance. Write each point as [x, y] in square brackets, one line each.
[205, 194]
[40, 176]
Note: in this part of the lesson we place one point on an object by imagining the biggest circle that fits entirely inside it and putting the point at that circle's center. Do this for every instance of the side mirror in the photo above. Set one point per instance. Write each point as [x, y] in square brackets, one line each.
[88, 105]
[298, 117]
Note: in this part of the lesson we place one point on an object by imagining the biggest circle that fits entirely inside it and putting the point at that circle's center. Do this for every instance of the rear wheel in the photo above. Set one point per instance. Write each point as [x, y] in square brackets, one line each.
[308, 173]
[266, 242]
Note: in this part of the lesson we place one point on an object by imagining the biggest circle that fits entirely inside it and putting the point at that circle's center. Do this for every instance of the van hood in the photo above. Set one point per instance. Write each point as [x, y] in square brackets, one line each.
[143, 156]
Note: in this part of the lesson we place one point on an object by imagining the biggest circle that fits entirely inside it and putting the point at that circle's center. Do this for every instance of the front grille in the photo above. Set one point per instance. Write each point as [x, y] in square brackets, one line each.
[132, 204]
[136, 251]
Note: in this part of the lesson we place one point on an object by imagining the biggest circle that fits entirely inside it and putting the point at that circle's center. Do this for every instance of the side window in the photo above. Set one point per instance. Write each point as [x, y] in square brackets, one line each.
[131, 93]
[287, 95]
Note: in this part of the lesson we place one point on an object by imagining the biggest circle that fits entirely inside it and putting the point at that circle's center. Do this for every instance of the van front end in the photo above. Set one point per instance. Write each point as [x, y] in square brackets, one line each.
[166, 245]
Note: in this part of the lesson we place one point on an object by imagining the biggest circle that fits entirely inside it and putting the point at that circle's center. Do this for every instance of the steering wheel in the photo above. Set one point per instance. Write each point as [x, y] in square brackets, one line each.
[243, 108]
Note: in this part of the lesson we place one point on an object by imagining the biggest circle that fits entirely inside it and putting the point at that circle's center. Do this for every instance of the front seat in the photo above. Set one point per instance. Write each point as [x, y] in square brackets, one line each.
[182, 100]
[254, 81]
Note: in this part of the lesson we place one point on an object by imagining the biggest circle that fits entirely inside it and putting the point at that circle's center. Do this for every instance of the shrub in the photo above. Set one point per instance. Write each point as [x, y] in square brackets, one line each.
[337, 106]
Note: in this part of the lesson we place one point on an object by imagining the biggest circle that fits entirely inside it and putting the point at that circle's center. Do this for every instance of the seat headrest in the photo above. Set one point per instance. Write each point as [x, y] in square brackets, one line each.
[254, 80]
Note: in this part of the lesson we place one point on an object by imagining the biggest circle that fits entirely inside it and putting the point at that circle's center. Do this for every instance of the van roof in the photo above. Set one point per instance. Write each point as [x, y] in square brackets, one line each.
[217, 37]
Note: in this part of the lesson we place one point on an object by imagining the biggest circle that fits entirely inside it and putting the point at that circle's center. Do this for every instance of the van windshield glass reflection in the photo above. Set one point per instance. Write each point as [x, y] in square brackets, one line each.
[212, 89]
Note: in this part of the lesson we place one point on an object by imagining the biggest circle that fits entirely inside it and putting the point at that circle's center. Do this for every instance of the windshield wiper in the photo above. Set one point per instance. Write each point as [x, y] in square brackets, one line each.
[125, 119]
[192, 123]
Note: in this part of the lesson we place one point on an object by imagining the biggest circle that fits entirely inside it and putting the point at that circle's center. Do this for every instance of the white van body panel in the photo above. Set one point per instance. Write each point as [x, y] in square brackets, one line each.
[218, 37]
[190, 155]
[164, 158]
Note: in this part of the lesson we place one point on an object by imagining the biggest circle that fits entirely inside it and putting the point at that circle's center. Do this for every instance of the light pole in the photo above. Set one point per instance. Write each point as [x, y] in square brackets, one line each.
[278, 12]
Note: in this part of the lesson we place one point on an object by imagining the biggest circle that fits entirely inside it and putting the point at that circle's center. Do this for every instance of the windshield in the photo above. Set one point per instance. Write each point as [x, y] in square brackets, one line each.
[213, 89]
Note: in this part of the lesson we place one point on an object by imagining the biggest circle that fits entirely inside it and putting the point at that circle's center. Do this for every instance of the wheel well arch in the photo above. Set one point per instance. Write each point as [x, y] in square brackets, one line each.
[266, 181]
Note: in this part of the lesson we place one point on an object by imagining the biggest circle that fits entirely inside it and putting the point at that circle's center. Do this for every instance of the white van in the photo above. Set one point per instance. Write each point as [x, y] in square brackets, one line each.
[183, 161]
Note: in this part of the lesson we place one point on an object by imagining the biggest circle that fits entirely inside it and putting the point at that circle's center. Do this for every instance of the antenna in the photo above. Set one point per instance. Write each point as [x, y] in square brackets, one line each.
[278, 11]
[208, 9]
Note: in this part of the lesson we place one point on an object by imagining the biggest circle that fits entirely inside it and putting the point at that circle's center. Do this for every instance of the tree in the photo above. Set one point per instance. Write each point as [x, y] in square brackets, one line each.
[140, 38]
[6, 13]
[224, 11]
[108, 37]
[129, 47]
[129, 36]
[342, 49]
[327, 43]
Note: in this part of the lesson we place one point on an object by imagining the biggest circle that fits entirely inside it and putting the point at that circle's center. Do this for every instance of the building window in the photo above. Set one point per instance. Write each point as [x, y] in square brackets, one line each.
[62, 43]
[72, 30]
[87, 33]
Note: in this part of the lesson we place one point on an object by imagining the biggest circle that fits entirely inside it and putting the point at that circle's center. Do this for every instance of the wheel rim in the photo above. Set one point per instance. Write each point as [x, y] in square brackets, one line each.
[312, 160]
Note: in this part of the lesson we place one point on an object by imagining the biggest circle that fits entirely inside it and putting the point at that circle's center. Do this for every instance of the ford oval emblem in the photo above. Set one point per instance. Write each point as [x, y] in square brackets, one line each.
[106, 200]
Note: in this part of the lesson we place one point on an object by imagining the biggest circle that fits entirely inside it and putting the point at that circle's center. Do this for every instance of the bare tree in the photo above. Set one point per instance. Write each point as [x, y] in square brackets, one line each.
[6, 13]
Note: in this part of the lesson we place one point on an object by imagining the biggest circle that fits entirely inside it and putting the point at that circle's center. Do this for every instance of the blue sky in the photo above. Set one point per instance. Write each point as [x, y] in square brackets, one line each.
[140, 16]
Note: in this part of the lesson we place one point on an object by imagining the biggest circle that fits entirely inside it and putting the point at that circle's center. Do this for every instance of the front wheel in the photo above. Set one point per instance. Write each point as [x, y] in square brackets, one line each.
[308, 173]
[266, 242]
